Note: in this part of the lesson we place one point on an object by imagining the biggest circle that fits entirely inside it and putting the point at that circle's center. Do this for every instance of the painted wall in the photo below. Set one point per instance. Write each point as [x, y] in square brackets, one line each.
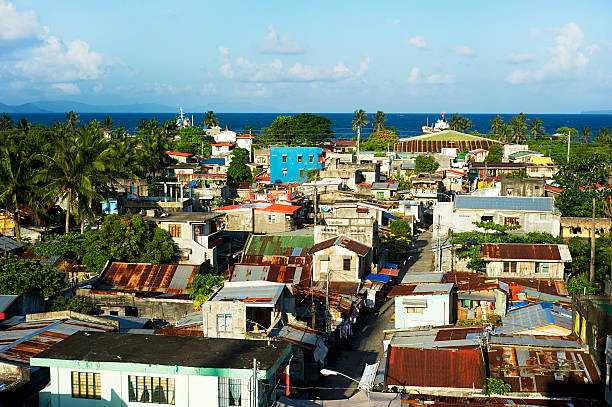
[436, 313]
[335, 264]
[292, 165]
[525, 269]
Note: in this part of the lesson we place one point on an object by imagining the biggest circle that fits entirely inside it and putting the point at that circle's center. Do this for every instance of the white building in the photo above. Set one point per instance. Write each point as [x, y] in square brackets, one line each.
[422, 304]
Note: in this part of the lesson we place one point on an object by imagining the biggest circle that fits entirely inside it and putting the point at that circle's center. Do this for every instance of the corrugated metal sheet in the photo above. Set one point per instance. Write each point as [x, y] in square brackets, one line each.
[20, 343]
[425, 277]
[534, 316]
[514, 203]
[278, 245]
[342, 241]
[8, 244]
[259, 293]
[455, 368]
[6, 301]
[148, 277]
[533, 340]
[522, 251]
[287, 274]
[436, 146]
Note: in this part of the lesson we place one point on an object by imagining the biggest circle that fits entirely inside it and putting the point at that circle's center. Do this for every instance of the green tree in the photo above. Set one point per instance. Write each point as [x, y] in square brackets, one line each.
[465, 124]
[202, 286]
[536, 127]
[127, 238]
[380, 141]
[152, 151]
[23, 125]
[313, 175]
[238, 170]
[497, 386]
[425, 164]
[455, 121]
[210, 119]
[378, 120]
[20, 276]
[6, 123]
[109, 124]
[495, 154]
[304, 128]
[567, 130]
[74, 304]
[72, 120]
[585, 134]
[518, 126]
[496, 123]
[603, 136]
[360, 119]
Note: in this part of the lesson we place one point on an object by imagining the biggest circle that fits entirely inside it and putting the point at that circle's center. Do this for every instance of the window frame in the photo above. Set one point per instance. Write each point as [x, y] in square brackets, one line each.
[153, 382]
[311, 158]
[284, 172]
[344, 264]
[96, 381]
[302, 173]
[284, 158]
[299, 158]
[225, 318]
[175, 230]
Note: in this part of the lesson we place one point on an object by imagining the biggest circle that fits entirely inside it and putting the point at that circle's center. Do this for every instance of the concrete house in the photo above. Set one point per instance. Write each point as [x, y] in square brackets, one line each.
[182, 157]
[528, 213]
[523, 260]
[291, 164]
[340, 259]
[157, 291]
[522, 187]
[262, 217]
[247, 309]
[384, 191]
[245, 141]
[222, 148]
[122, 369]
[197, 234]
[261, 157]
[422, 304]
[349, 175]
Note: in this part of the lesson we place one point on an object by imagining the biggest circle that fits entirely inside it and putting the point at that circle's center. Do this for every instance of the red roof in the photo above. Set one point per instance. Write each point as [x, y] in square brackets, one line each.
[342, 241]
[554, 189]
[344, 142]
[280, 208]
[222, 144]
[521, 251]
[168, 278]
[228, 207]
[179, 154]
[245, 136]
[455, 368]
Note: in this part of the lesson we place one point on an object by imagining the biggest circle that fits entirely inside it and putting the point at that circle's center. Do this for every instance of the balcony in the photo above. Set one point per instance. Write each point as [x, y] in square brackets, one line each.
[210, 241]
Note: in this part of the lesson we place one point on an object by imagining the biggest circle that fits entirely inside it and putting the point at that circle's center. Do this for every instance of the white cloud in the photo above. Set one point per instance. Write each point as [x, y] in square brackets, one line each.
[593, 49]
[223, 50]
[17, 26]
[246, 71]
[418, 41]
[59, 61]
[98, 87]
[279, 44]
[208, 89]
[534, 32]
[68, 88]
[566, 58]
[464, 50]
[251, 90]
[393, 21]
[415, 75]
[440, 79]
[520, 58]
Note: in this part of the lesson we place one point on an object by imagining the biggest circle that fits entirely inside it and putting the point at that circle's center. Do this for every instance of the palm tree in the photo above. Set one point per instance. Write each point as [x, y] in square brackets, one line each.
[360, 119]
[603, 137]
[518, 125]
[455, 121]
[536, 127]
[585, 134]
[378, 120]
[108, 123]
[24, 126]
[464, 124]
[170, 129]
[15, 180]
[152, 152]
[504, 133]
[6, 123]
[496, 123]
[210, 119]
[72, 120]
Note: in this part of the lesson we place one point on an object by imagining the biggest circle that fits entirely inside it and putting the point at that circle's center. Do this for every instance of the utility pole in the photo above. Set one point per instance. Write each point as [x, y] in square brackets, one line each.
[439, 251]
[327, 306]
[569, 137]
[254, 402]
[592, 268]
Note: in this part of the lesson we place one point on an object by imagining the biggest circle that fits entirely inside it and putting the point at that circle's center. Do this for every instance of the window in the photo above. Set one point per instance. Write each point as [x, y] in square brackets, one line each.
[510, 267]
[311, 158]
[486, 218]
[414, 310]
[511, 221]
[234, 392]
[299, 158]
[543, 268]
[284, 172]
[86, 385]
[155, 390]
[347, 264]
[301, 173]
[272, 218]
[380, 195]
[224, 322]
[284, 158]
[175, 230]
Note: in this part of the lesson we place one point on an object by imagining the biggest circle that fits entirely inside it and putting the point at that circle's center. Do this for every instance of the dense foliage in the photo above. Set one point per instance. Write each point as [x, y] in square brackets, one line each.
[202, 285]
[238, 170]
[305, 128]
[425, 164]
[74, 304]
[194, 141]
[127, 238]
[50, 245]
[496, 386]
[398, 241]
[20, 276]
[495, 154]
[383, 140]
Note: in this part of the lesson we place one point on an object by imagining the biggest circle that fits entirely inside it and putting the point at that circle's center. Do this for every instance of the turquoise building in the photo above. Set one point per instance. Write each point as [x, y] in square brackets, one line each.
[291, 164]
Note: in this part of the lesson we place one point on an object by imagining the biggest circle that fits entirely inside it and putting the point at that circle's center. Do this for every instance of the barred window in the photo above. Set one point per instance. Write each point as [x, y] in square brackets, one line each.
[86, 385]
[154, 390]
[175, 230]
[234, 392]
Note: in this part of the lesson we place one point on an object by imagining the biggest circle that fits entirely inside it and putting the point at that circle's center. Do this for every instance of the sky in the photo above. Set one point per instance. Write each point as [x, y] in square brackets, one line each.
[316, 56]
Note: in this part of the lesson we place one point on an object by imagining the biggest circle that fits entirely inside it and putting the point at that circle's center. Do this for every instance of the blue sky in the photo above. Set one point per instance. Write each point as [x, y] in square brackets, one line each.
[318, 56]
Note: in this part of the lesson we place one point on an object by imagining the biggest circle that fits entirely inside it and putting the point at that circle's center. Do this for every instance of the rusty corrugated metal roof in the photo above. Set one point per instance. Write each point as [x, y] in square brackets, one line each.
[279, 245]
[342, 241]
[167, 278]
[521, 251]
[279, 273]
[454, 368]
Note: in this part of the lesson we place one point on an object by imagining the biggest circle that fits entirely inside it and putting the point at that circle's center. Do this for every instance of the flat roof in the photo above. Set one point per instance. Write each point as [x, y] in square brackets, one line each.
[513, 203]
[185, 217]
[166, 350]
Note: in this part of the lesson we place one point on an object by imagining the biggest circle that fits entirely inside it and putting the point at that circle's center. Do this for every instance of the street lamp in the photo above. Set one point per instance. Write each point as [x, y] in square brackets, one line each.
[328, 372]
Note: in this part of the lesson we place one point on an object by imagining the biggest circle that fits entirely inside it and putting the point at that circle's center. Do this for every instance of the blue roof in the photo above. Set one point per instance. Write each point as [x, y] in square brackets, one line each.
[214, 161]
[515, 203]
[383, 278]
[535, 316]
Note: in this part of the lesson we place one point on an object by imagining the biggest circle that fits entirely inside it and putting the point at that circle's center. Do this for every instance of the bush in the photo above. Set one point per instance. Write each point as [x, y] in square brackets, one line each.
[74, 304]
[496, 386]
[20, 276]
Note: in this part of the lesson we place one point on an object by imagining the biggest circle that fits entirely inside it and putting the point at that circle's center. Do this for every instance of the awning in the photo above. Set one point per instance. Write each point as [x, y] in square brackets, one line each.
[390, 272]
[383, 278]
[389, 265]
[414, 302]
[476, 296]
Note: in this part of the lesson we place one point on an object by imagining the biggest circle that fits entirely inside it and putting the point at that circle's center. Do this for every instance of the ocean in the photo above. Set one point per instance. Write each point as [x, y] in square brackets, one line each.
[407, 124]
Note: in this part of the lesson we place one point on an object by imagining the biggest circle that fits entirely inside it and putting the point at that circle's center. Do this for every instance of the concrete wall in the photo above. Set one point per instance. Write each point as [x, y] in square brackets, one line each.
[192, 252]
[292, 165]
[261, 156]
[436, 313]
[525, 269]
[522, 187]
[362, 230]
[264, 222]
[237, 310]
[335, 264]
[189, 390]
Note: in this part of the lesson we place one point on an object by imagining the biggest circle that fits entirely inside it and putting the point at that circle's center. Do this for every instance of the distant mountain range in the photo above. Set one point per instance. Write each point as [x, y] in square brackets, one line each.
[63, 106]
[597, 112]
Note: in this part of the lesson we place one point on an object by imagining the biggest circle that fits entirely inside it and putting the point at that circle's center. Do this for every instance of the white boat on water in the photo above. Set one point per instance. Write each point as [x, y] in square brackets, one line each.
[440, 125]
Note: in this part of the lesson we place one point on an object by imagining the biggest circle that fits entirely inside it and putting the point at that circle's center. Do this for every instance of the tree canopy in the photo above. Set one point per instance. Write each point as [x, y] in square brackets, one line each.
[21, 276]
[380, 141]
[299, 129]
[425, 164]
[495, 154]
[238, 171]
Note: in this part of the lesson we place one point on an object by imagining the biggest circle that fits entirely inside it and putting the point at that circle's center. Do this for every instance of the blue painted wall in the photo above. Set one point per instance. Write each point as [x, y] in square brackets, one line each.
[292, 165]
